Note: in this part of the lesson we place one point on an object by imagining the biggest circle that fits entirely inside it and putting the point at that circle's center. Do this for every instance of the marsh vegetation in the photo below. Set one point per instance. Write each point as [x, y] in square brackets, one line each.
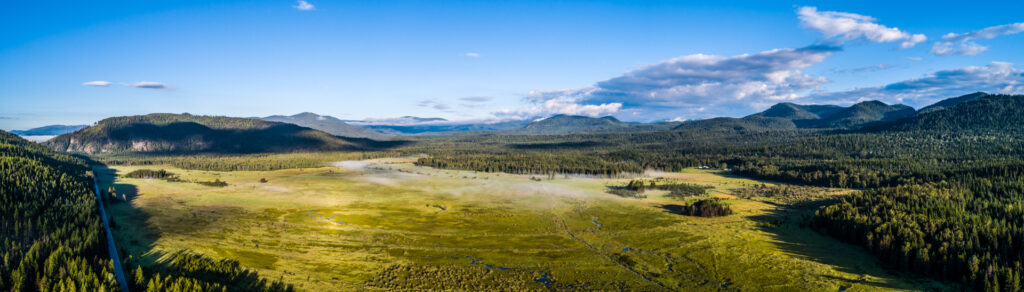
[388, 224]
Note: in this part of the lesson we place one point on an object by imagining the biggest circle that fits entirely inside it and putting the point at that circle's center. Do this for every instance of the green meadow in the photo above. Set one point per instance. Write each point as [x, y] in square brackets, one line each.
[388, 225]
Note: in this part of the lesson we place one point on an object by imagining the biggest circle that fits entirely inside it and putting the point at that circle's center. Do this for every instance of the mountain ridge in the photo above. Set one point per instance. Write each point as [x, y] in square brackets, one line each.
[991, 113]
[327, 124]
[185, 133]
[49, 130]
[835, 117]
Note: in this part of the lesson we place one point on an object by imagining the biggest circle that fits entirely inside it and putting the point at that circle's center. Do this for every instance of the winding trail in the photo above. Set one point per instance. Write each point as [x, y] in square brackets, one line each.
[110, 239]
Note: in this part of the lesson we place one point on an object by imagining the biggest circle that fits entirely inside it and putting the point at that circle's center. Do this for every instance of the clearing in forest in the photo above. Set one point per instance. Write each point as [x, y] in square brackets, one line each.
[386, 224]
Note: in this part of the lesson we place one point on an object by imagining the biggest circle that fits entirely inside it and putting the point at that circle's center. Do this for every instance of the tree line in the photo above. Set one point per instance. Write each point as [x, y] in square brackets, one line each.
[969, 229]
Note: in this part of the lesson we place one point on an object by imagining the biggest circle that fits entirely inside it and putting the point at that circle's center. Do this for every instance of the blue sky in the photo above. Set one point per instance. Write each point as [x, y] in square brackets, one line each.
[76, 63]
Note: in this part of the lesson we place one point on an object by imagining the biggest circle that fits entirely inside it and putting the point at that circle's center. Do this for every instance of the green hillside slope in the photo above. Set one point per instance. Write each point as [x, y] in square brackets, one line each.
[184, 133]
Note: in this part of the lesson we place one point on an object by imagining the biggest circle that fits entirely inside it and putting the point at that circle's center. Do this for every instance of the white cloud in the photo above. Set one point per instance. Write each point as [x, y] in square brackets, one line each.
[840, 27]
[963, 44]
[913, 58]
[964, 48]
[97, 83]
[566, 106]
[304, 6]
[147, 85]
[996, 77]
[694, 85]
[473, 55]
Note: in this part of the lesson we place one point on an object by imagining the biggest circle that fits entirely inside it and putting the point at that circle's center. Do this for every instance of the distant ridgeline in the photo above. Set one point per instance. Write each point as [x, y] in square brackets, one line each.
[50, 130]
[884, 146]
[783, 116]
[52, 237]
[566, 124]
[184, 133]
[789, 116]
[328, 124]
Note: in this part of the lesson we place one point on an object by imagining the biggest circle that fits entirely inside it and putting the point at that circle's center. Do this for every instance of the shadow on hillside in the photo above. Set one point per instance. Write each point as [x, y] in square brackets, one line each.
[790, 231]
[192, 137]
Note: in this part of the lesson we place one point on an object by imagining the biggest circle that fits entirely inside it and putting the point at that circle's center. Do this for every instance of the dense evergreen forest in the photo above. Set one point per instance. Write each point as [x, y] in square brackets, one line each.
[712, 207]
[52, 238]
[969, 229]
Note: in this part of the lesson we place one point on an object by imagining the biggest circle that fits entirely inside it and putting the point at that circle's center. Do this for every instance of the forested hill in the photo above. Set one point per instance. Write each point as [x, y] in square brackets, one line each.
[564, 124]
[570, 124]
[51, 237]
[754, 123]
[836, 117]
[950, 102]
[184, 133]
[861, 114]
[791, 111]
[327, 124]
[985, 114]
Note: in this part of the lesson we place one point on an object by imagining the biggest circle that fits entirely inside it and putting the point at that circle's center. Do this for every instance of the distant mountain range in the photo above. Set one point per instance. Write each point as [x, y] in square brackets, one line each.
[399, 121]
[439, 127]
[836, 117]
[390, 127]
[568, 124]
[157, 133]
[50, 130]
[328, 124]
[753, 123]
[184, 133]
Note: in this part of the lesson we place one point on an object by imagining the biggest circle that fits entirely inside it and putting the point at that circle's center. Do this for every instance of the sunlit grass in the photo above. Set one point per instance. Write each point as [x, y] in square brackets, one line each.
[330, 228]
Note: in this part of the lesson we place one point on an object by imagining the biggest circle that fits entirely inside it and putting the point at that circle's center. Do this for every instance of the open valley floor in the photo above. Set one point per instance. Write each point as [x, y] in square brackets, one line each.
[386, 224]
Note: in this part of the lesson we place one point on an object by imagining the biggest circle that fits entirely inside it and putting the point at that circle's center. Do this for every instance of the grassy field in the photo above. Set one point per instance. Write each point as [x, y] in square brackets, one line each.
[386, 224]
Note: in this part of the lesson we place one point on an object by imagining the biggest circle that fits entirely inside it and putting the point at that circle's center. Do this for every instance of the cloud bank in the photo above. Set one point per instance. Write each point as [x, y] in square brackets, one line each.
[704, 86]
[841, 27]
[691, 84]
[566, 106]
[963, 44]
[996, 77]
